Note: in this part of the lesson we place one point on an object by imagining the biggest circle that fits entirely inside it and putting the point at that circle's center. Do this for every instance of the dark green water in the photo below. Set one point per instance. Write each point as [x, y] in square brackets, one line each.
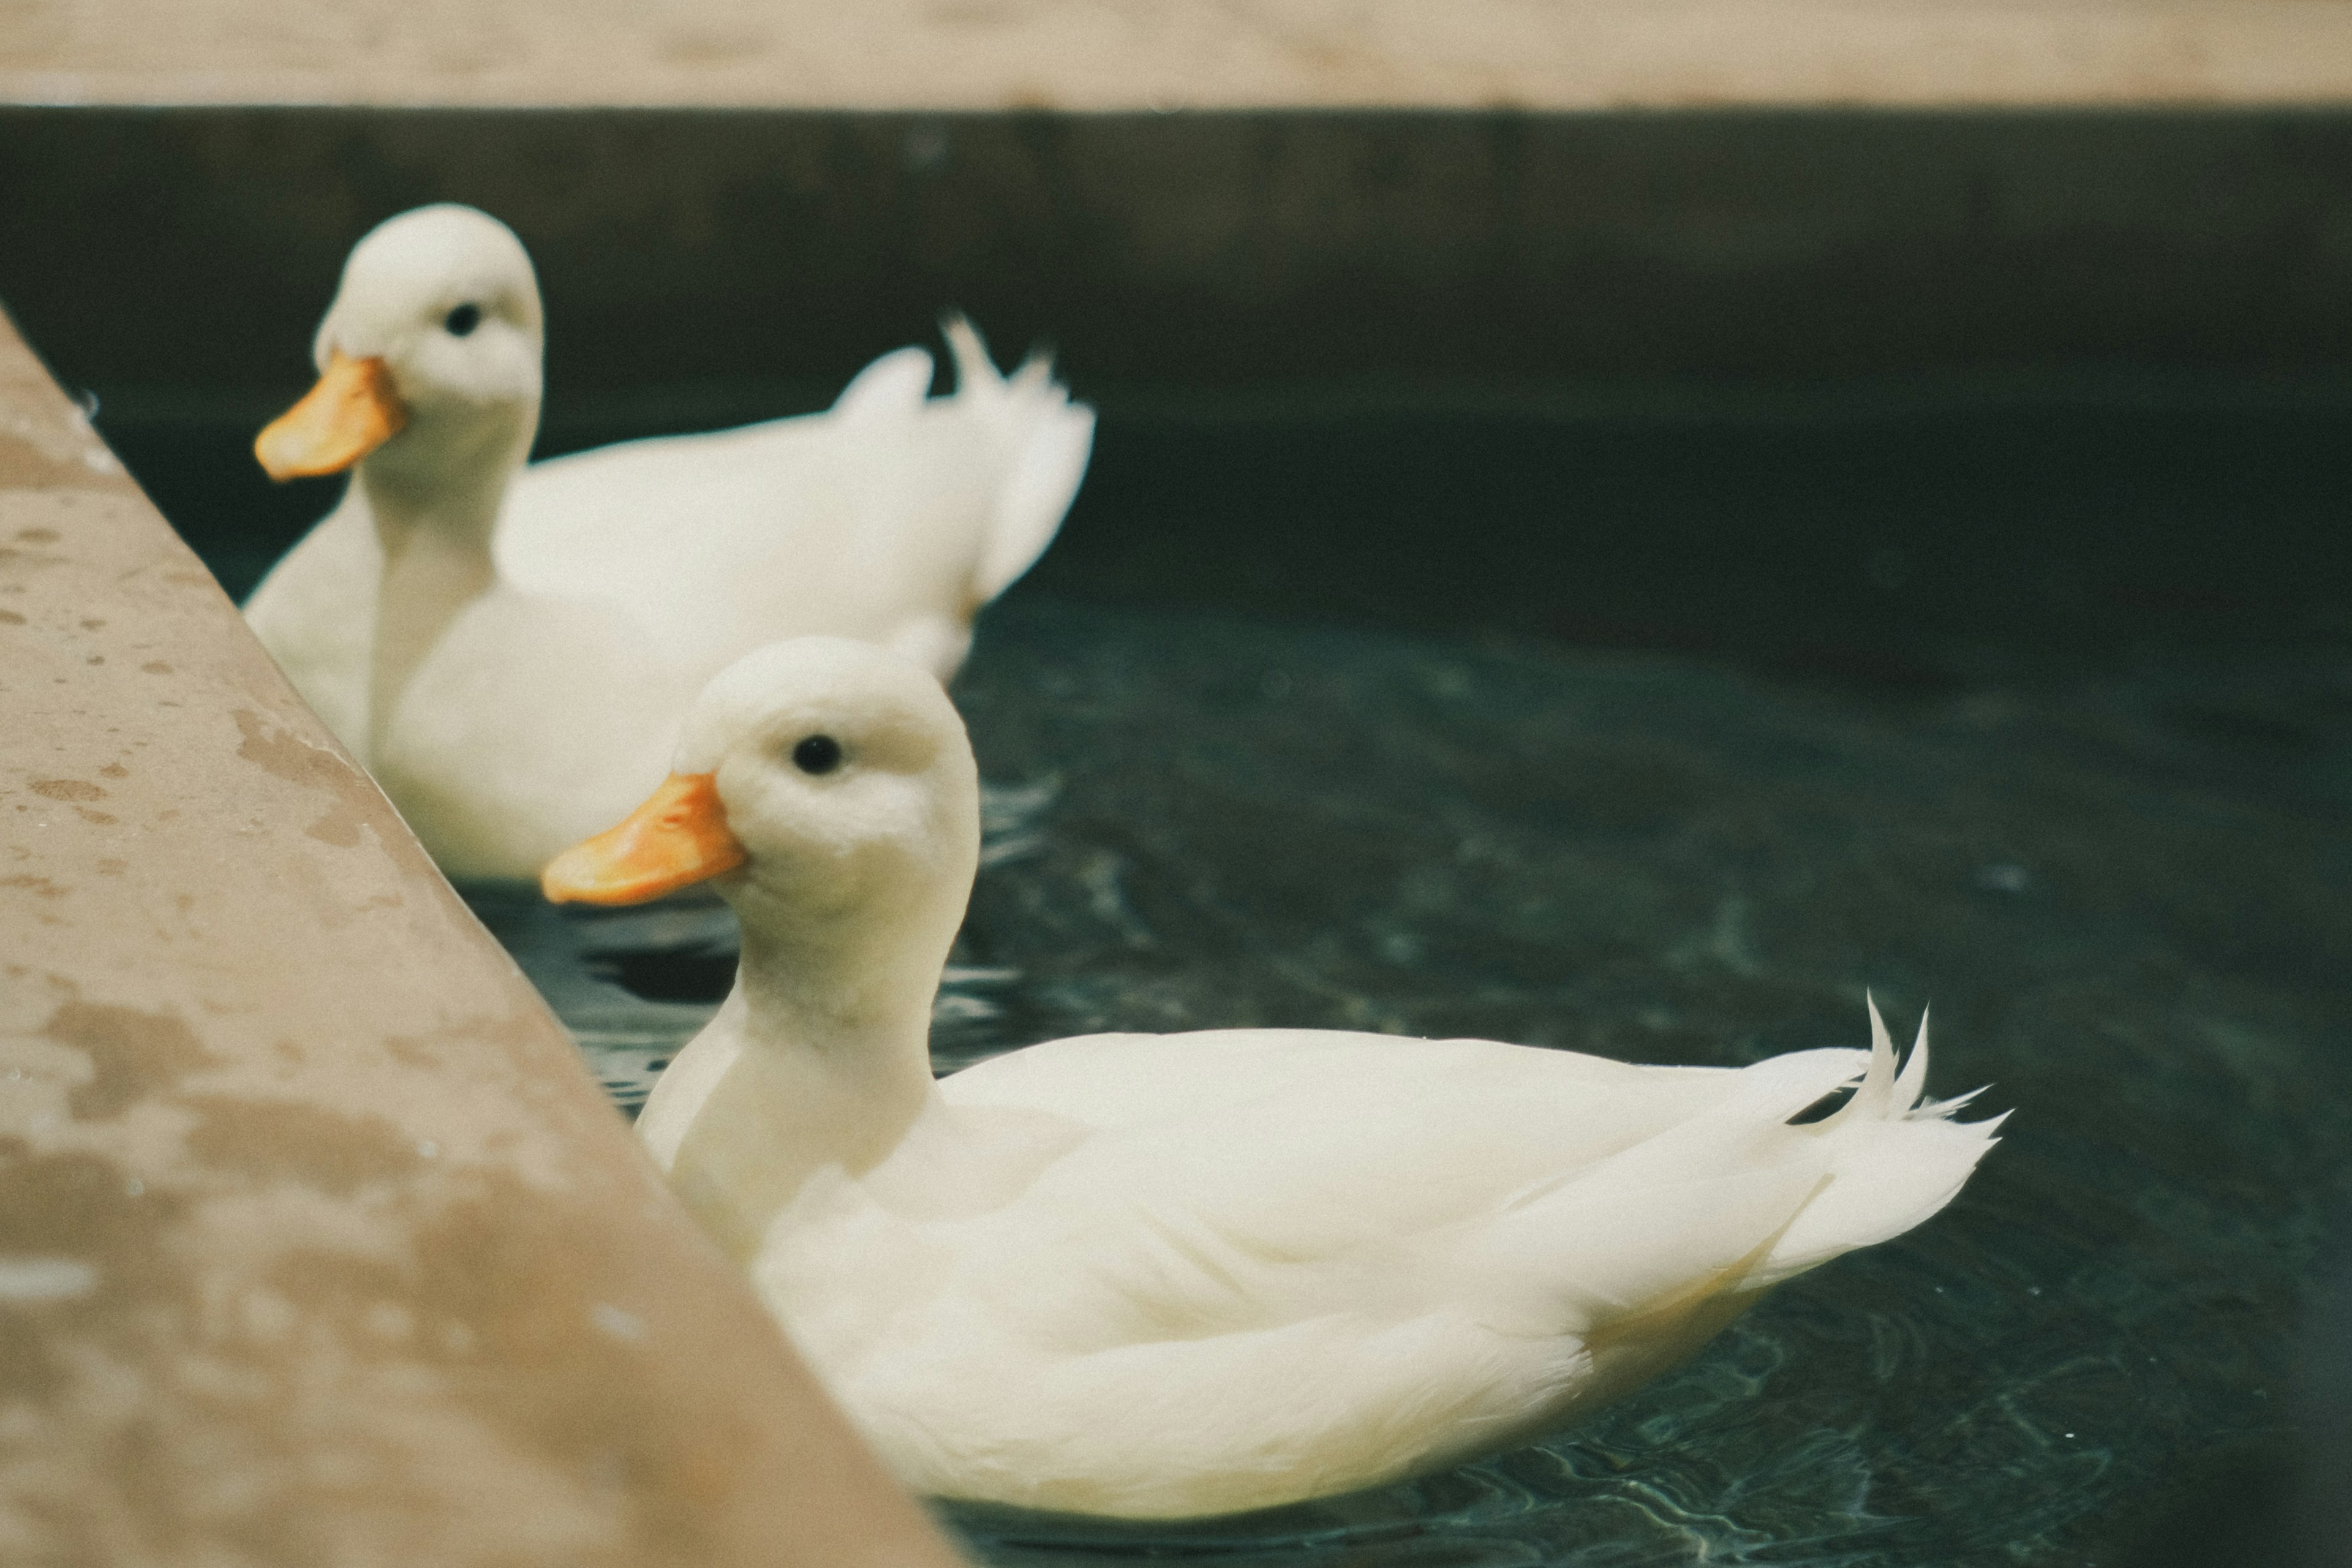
[2126, 898]
[2043, 715]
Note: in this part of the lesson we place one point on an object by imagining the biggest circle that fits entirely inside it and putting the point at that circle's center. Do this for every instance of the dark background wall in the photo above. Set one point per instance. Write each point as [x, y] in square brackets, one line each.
[1888, 396]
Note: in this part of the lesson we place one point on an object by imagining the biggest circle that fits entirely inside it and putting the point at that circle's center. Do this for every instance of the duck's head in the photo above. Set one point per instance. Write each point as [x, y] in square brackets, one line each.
[825, 788]
[429, 356]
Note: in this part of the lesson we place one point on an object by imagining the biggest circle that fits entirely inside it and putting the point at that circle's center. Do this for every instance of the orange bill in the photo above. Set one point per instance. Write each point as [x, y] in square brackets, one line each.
[352, 412]
[678, 838]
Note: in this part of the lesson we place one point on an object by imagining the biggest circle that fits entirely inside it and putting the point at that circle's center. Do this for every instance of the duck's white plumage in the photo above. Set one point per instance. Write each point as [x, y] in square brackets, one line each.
[518, 683]
[1358, 1259]
[1159, 1276]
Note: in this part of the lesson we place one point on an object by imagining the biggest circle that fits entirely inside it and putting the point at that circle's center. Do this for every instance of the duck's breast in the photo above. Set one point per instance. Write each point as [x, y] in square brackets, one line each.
[533, 723]
[315, 612]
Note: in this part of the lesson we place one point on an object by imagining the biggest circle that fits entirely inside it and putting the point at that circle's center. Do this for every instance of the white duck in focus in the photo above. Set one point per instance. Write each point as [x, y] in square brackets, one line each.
[1164, 1276]
[508, 648]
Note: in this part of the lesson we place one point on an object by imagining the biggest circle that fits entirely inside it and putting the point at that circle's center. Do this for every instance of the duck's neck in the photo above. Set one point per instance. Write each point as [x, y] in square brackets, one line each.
[831, 1023]
[434, 498]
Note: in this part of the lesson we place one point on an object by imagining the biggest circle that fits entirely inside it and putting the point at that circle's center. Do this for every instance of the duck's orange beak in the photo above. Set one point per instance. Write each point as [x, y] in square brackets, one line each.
[678, 838]
[352, 412]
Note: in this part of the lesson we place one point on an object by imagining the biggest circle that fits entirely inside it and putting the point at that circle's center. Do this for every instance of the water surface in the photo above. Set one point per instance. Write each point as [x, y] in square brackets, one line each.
[2125, 894]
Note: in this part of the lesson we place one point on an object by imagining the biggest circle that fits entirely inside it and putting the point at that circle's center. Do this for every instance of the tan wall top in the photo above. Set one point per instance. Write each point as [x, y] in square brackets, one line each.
[318, 1245]
[1144, 54]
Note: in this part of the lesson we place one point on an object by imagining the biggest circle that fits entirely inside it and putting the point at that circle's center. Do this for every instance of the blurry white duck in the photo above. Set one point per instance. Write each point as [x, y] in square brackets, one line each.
[510, 648]
[1160, 1276]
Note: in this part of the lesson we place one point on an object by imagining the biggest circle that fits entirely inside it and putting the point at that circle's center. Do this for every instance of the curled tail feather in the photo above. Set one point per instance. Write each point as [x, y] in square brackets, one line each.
[1050, 440]
[1894, 1158]
[977, 377]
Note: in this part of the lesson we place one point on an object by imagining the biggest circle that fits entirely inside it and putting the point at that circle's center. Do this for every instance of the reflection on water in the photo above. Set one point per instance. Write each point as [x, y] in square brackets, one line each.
[2127, 898]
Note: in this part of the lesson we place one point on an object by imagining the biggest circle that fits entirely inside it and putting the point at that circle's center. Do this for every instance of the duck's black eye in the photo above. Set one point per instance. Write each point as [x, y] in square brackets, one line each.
[462, 320]
[818, 754]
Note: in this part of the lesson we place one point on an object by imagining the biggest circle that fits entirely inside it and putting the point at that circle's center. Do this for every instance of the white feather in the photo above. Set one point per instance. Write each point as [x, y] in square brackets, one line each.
[1162, 1275]
[613, 583]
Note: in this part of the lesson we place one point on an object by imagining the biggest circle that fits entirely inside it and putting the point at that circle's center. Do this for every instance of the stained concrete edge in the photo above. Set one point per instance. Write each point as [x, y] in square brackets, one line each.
[318, 1243]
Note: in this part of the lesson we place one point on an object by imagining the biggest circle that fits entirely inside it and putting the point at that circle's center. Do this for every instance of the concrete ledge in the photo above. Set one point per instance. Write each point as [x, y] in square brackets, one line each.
[1145, 54]
[318, 1243]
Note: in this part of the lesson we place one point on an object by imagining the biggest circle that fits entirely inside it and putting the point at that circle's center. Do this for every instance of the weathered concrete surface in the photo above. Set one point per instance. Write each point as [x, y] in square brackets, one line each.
[1141, 53]
[317, 1245]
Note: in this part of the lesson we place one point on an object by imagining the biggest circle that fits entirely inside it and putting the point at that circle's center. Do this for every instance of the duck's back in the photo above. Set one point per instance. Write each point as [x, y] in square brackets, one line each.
[721, 543]
[889, 518]
[1261, 1264]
